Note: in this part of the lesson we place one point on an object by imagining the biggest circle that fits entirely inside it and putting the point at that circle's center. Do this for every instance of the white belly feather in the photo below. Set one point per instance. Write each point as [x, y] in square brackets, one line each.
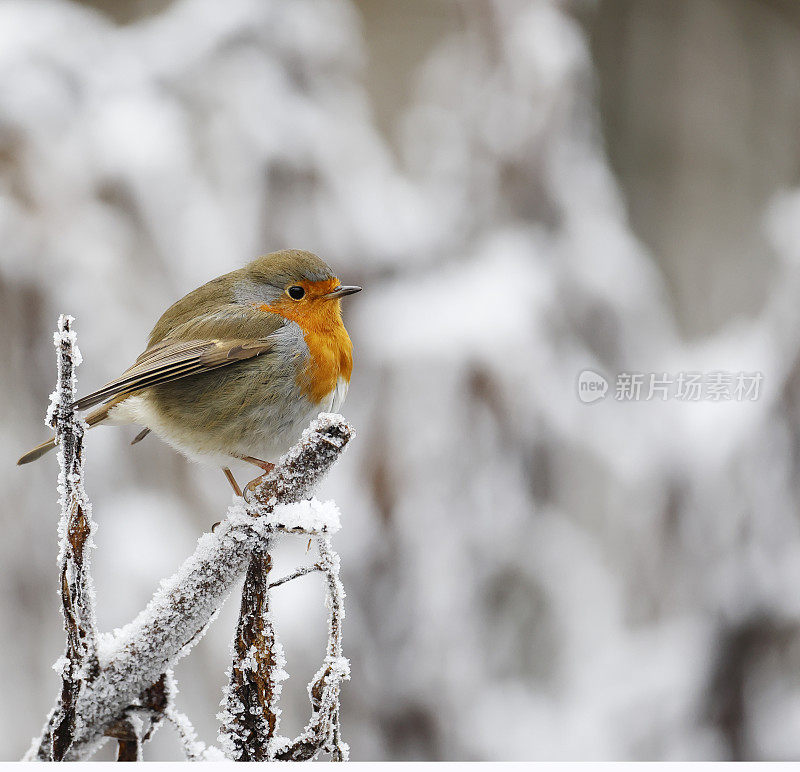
[337, 396]
[137, 409]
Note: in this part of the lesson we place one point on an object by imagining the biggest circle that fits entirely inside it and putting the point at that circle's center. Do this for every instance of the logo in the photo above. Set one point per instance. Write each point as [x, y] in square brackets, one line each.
[685, 386]
[591, 386]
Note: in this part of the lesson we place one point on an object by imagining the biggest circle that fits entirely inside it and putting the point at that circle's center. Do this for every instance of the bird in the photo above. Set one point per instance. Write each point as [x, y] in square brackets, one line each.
[238, 367]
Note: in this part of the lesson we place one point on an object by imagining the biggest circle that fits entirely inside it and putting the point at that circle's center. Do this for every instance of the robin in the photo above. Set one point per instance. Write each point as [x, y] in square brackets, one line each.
[238, 367]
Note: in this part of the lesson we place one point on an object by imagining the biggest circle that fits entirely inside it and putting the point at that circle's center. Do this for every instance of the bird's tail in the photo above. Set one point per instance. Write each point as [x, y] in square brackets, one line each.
[37, 452]
[95, 417]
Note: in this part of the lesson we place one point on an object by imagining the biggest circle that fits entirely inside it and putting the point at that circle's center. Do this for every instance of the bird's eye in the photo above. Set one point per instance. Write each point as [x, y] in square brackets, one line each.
[295, 292]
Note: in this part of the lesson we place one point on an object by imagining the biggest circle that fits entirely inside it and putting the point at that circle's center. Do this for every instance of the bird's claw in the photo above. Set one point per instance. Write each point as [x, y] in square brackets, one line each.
[250, 488]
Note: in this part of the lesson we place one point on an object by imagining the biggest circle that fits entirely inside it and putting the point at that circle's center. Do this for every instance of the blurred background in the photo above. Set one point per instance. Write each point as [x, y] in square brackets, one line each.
[525, 190]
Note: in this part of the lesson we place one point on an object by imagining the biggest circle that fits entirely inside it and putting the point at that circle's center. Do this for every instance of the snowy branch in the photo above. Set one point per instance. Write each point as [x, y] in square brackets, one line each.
[323, 731]
[79, 663]
[302, 571]
[250, 712]
[109, 679]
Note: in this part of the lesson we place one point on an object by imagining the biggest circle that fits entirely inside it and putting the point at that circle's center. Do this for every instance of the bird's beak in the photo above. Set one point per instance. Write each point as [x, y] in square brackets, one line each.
[340, 292]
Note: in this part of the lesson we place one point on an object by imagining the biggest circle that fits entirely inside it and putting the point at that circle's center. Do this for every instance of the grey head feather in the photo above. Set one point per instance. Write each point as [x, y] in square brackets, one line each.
[281, 268]
[267, 277]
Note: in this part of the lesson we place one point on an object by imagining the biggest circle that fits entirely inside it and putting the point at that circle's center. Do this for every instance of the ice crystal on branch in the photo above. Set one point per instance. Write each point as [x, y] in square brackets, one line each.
[250, 713]
[79, 664]
[323, 731]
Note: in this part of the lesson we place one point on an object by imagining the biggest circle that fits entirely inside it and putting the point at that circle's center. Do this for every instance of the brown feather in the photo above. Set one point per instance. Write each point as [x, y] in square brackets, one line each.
[37, 452]
[95, 417]
[172, 360]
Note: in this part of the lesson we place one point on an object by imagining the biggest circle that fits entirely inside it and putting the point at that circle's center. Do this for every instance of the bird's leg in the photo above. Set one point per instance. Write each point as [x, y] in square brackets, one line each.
[232, 480]
[140, 436]
[265, 465]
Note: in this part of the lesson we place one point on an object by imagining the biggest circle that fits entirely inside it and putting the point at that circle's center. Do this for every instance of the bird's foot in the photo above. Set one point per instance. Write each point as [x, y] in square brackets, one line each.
[249, 489]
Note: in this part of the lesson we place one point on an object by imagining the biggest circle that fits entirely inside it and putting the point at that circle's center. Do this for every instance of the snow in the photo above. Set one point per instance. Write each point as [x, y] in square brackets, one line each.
[309, 516]
[230, 737]
[64, 393]
[61, 664]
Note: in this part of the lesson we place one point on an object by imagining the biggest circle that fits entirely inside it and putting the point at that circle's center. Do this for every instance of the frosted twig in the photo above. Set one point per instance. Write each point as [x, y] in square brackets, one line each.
[323, 731]
[250, 713]
[155, 701]
[302, 571]
[303, 466]
[193, 749]
[158, 703]
[79, 665]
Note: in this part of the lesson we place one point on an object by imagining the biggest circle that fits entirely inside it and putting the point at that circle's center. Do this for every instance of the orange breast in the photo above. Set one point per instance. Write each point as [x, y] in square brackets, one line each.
[331, 357]
[329, 345]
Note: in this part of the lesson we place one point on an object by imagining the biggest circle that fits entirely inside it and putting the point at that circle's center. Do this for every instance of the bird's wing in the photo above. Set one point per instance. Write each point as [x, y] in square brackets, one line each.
[171, 360]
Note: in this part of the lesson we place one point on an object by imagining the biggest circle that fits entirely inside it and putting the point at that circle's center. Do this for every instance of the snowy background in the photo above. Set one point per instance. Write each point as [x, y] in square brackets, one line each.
[525, 190]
